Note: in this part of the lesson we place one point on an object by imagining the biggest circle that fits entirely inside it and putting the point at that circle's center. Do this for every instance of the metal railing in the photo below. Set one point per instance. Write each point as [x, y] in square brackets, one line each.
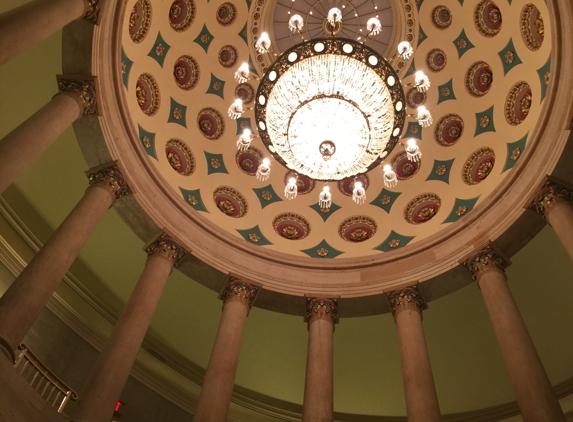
[44, 381]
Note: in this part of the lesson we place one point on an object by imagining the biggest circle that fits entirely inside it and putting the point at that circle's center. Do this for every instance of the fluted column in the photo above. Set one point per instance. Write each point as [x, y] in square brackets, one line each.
[114, 364]
[318, 405]
[215, 398]
[419, 389]
[23, 301]
[22, 147]
[27, 25]
[555, 203]
[531, 385]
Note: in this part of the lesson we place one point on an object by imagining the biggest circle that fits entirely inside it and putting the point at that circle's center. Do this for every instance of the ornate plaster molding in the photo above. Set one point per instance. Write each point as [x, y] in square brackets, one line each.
[321, 308]
[84, 88]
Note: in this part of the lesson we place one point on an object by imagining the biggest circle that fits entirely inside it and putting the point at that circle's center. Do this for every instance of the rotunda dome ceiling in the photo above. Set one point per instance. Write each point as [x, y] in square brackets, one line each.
[487, 92]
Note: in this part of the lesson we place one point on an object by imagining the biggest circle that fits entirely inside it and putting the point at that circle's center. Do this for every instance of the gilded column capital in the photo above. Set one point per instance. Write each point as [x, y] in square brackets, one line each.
[93, 8]
[486, 259]
[239, 290]
[109, 177]
[406, 298]
[83, 89]
[321, 308]
[165, 247]
[549, 196]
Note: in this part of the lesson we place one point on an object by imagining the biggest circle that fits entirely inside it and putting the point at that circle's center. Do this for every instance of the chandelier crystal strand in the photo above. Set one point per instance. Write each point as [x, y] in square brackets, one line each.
[236, 109]
[334, 16]
[295, 23]
[325, 199]
[244, 141]
[374, 26]
[413, 151]
[320, 99]
[263, 44]
[358, 193]
[242, 74]
[291, 188]
[424, 117]
[390, 177]
[422, 81]
[264, 170]
[405, 50]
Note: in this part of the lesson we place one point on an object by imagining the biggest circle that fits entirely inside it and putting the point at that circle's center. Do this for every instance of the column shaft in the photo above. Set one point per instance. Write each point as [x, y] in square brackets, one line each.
[21, 147]
[318, 405]
[215, 396]
[114, 364]
[23, 301]
[420, 391]
[27, 25]
[560, 217]
[528, 378]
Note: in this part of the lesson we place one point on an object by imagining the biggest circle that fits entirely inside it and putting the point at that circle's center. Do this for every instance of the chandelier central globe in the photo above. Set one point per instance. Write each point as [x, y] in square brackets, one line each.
[330, 108]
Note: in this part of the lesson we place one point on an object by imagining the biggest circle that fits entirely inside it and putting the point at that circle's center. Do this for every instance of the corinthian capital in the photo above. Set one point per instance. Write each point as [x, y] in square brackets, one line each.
[321, 308]
[82, 89]
[110, 178]
[486, 259]
[93, 8]
[165, 247]
[239, 290]
[550, 195]
[406, 298]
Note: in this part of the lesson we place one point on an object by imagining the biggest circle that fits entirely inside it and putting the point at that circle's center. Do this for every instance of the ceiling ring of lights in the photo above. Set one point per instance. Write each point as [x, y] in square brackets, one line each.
[377, 109]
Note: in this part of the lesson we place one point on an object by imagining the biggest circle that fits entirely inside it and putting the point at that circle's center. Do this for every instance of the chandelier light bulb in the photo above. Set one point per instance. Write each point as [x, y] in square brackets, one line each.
[291, 189]
[325, 199]
[244, 141]
[295, 23]
[264, 170]
[358, 193]
[242, 74]
[405, 50]
[236, 109]
[374, 26]
[424, 117]
[390, 177]
[422, 81]
[263, 43]
[334, 16]
[413, 151]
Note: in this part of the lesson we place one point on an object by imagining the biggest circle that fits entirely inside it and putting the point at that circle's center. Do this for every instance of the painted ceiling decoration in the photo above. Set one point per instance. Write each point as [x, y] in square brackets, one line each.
[177, 64]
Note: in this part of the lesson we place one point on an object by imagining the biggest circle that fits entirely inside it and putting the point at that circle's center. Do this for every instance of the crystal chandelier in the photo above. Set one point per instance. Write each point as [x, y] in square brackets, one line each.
[330, 109]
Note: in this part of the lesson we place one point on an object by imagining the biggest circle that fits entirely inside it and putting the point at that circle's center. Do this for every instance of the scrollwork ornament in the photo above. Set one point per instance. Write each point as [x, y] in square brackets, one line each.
[83, 89]
[321, 308]
[551, 195]
[111, 179]
[485, 260]
[165, 247]
[406, 298]
[240, 291]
